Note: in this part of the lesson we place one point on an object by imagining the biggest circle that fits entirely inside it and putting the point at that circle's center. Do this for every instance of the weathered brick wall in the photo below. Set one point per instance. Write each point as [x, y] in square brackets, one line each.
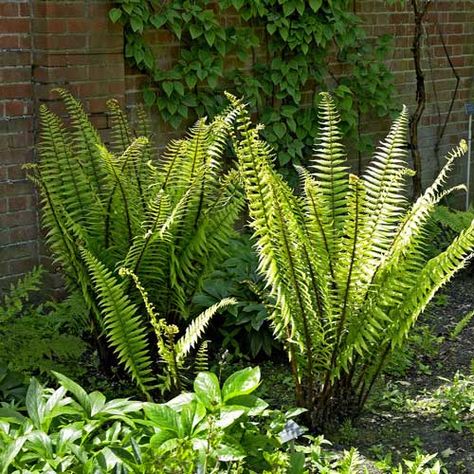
[452, 21]
[71, 44]
[18, 217]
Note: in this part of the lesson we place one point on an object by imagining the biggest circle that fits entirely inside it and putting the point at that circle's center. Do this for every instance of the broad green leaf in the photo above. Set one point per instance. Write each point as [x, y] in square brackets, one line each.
[315, 4]
[9, 455]
[115, 14]
[180, 401]
[206, 387]
[228, 415]
[34, 403]
[160, 437]
[191, 416]
[163, 417]
[97, 400]
[242, 382]
[79, 393]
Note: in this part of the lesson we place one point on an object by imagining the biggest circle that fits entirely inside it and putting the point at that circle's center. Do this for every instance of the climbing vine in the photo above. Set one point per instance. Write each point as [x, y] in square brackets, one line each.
[276, 53]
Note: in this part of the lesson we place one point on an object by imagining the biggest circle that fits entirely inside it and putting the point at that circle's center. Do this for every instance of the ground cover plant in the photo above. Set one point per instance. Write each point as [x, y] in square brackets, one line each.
[213, 429]
[166, 222]
[346, 260]
[36, 336]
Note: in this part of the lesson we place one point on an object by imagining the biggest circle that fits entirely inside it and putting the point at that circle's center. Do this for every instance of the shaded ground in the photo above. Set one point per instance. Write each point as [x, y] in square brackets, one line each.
[403, 416]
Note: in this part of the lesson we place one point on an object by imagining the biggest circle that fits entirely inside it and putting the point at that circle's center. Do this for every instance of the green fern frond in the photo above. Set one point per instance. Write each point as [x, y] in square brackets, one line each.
[124, 326]
[196, 328]
[85, 139]
[201, 362]
[329, 168]
[121, 136]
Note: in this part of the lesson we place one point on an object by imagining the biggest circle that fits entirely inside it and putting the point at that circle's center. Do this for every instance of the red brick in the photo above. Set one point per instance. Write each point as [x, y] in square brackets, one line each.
[19, 267]
[54, 9]
[24, 234]
[9, 9]
[15, 108]
[13, 91]
[18, 203]
[49, 25]
[9, 41]
[17, 25]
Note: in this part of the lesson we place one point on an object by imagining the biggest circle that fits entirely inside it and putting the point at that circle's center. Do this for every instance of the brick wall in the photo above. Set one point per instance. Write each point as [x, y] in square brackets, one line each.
[453, 21]
[18, 217]
[48, 43]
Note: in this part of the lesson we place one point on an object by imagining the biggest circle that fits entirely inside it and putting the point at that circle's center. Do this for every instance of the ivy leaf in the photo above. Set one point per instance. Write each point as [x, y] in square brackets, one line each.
[158, 21]
[149, 97]
[115, 14]
[210, 37]
[279, 129]
[195, 31]
[315, 4]
[191, 80]
[167, 87]
[300, 7]
[288, 8]
[179, 88]
[271, 28]
[136, 24]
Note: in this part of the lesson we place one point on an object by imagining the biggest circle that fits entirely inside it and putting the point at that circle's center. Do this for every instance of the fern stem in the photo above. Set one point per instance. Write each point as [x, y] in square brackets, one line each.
[343, 317]
[307, 335]
[325, 241]
[363, 396]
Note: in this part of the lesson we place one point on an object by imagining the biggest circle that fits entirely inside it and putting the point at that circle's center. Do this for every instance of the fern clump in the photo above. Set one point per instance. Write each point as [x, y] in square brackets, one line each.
[346, 259]
[165, 220]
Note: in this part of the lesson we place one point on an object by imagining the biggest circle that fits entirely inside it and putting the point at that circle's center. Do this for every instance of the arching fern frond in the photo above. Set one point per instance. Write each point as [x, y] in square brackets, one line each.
[196, 328]
[124, 326]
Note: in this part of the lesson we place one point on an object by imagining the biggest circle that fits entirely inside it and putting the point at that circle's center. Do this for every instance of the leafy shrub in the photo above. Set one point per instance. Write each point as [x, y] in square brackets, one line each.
[243, 327]
[345, 261]
[164, 221]
[36, 338]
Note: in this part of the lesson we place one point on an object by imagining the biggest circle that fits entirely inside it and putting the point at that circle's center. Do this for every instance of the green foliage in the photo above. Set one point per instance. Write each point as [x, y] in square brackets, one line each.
[461, 325]
[244, 329]
[165, 221]
[449, 223]
[212, 429]
[275, 53]
[346, 260]
[420, 344]
[36, 338]
[455, 399]
[19, 295]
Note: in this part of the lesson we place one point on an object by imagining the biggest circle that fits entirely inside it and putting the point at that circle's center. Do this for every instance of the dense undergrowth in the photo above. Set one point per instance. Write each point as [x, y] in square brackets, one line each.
[171, 310]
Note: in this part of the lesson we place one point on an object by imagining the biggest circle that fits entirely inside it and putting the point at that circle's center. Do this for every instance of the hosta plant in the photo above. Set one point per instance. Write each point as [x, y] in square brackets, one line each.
[164, 220]
[345, 258]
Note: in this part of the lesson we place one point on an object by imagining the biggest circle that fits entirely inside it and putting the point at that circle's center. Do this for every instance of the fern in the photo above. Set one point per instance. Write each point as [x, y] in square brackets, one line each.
[347, 260]
[166, 220]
